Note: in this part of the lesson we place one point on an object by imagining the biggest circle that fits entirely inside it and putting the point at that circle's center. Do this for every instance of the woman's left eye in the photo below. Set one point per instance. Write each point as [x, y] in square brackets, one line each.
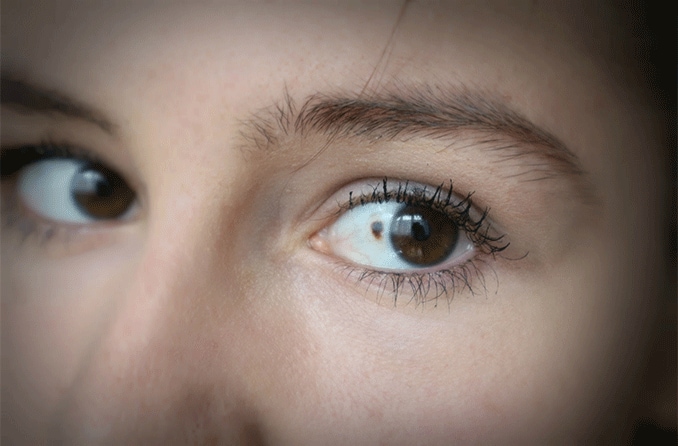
[404, 227]
[396, 236]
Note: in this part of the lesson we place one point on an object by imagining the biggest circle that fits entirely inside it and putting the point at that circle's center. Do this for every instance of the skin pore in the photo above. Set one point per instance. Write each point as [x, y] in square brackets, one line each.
[218, 309]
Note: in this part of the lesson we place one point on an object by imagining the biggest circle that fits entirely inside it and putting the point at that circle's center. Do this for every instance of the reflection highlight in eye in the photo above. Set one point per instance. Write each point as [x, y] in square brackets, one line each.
[411, 236]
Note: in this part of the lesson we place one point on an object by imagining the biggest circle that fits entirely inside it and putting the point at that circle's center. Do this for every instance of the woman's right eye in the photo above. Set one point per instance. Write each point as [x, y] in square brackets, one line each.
[74, 191]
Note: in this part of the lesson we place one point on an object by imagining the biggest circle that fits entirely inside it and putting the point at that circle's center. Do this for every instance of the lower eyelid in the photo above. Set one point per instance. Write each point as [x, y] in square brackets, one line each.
[475, 277]
[24, 229]
[54, 243]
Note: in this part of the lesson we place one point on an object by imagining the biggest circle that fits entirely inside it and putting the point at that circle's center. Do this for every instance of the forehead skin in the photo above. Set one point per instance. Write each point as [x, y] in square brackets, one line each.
[231, 331]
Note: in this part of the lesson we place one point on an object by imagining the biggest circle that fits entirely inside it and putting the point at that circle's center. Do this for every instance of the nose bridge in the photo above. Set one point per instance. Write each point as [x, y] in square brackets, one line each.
[189, 290]
[179, 270]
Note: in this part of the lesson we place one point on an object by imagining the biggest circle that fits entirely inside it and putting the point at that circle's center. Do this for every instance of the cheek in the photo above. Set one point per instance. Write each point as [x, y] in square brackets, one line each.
[52, 314]
[194, 342]
[534, 362]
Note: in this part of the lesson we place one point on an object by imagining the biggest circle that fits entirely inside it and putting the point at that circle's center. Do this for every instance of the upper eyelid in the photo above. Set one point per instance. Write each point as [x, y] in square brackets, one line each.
[372, 189]
[16, 157]
[25, 96]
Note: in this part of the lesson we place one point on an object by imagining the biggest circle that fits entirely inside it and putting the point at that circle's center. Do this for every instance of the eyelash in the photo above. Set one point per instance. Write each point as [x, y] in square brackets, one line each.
[15, 159]
[430, 286]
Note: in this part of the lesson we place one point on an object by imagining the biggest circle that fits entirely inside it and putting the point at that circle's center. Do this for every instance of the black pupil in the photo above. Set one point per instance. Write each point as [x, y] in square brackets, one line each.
[100, 193]
[421, 230]
[423, 236]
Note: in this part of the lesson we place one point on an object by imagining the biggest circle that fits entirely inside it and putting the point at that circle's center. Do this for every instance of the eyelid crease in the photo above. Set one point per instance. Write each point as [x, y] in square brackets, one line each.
[24, 96]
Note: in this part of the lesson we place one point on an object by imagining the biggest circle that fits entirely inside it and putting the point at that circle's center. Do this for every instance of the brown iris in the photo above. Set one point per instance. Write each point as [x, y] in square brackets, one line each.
[423, 236]
[100, 193]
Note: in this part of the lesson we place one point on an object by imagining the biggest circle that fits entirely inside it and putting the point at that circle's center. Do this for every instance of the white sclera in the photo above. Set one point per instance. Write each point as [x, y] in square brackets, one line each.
[46, 188]
[352, 237]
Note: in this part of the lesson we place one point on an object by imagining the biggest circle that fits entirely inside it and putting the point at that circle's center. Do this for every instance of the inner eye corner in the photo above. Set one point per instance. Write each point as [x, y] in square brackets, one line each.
[318, 241]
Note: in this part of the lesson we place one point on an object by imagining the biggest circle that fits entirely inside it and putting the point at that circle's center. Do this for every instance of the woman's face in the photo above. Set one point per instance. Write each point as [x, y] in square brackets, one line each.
[252, 256]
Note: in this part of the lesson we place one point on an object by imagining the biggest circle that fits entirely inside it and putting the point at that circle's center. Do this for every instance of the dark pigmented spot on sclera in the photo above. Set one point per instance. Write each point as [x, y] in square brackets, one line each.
[377, 229]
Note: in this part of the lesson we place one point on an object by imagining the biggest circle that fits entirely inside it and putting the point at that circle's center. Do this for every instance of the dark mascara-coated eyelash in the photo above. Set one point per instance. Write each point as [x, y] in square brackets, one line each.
[12, 160]
[442, 200]
[427, 286]
[424, 287]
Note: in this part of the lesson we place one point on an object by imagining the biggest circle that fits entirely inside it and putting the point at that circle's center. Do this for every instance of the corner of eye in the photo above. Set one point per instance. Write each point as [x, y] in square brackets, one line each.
[319, 242]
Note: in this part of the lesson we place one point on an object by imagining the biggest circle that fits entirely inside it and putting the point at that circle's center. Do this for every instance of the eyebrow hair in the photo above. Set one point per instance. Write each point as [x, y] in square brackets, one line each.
[426, 111]
[25, 97]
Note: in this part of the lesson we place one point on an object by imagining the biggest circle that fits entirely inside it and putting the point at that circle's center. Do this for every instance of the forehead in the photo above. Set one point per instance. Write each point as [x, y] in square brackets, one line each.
[235, 56]
[234, 37]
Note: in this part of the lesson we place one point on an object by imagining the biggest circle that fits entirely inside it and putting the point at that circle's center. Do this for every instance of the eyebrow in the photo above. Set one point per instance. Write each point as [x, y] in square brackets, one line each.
[432, 112]
[25, 97]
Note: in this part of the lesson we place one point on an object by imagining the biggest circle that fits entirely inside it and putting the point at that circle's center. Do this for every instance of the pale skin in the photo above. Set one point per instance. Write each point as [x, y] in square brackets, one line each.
[215, 313]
